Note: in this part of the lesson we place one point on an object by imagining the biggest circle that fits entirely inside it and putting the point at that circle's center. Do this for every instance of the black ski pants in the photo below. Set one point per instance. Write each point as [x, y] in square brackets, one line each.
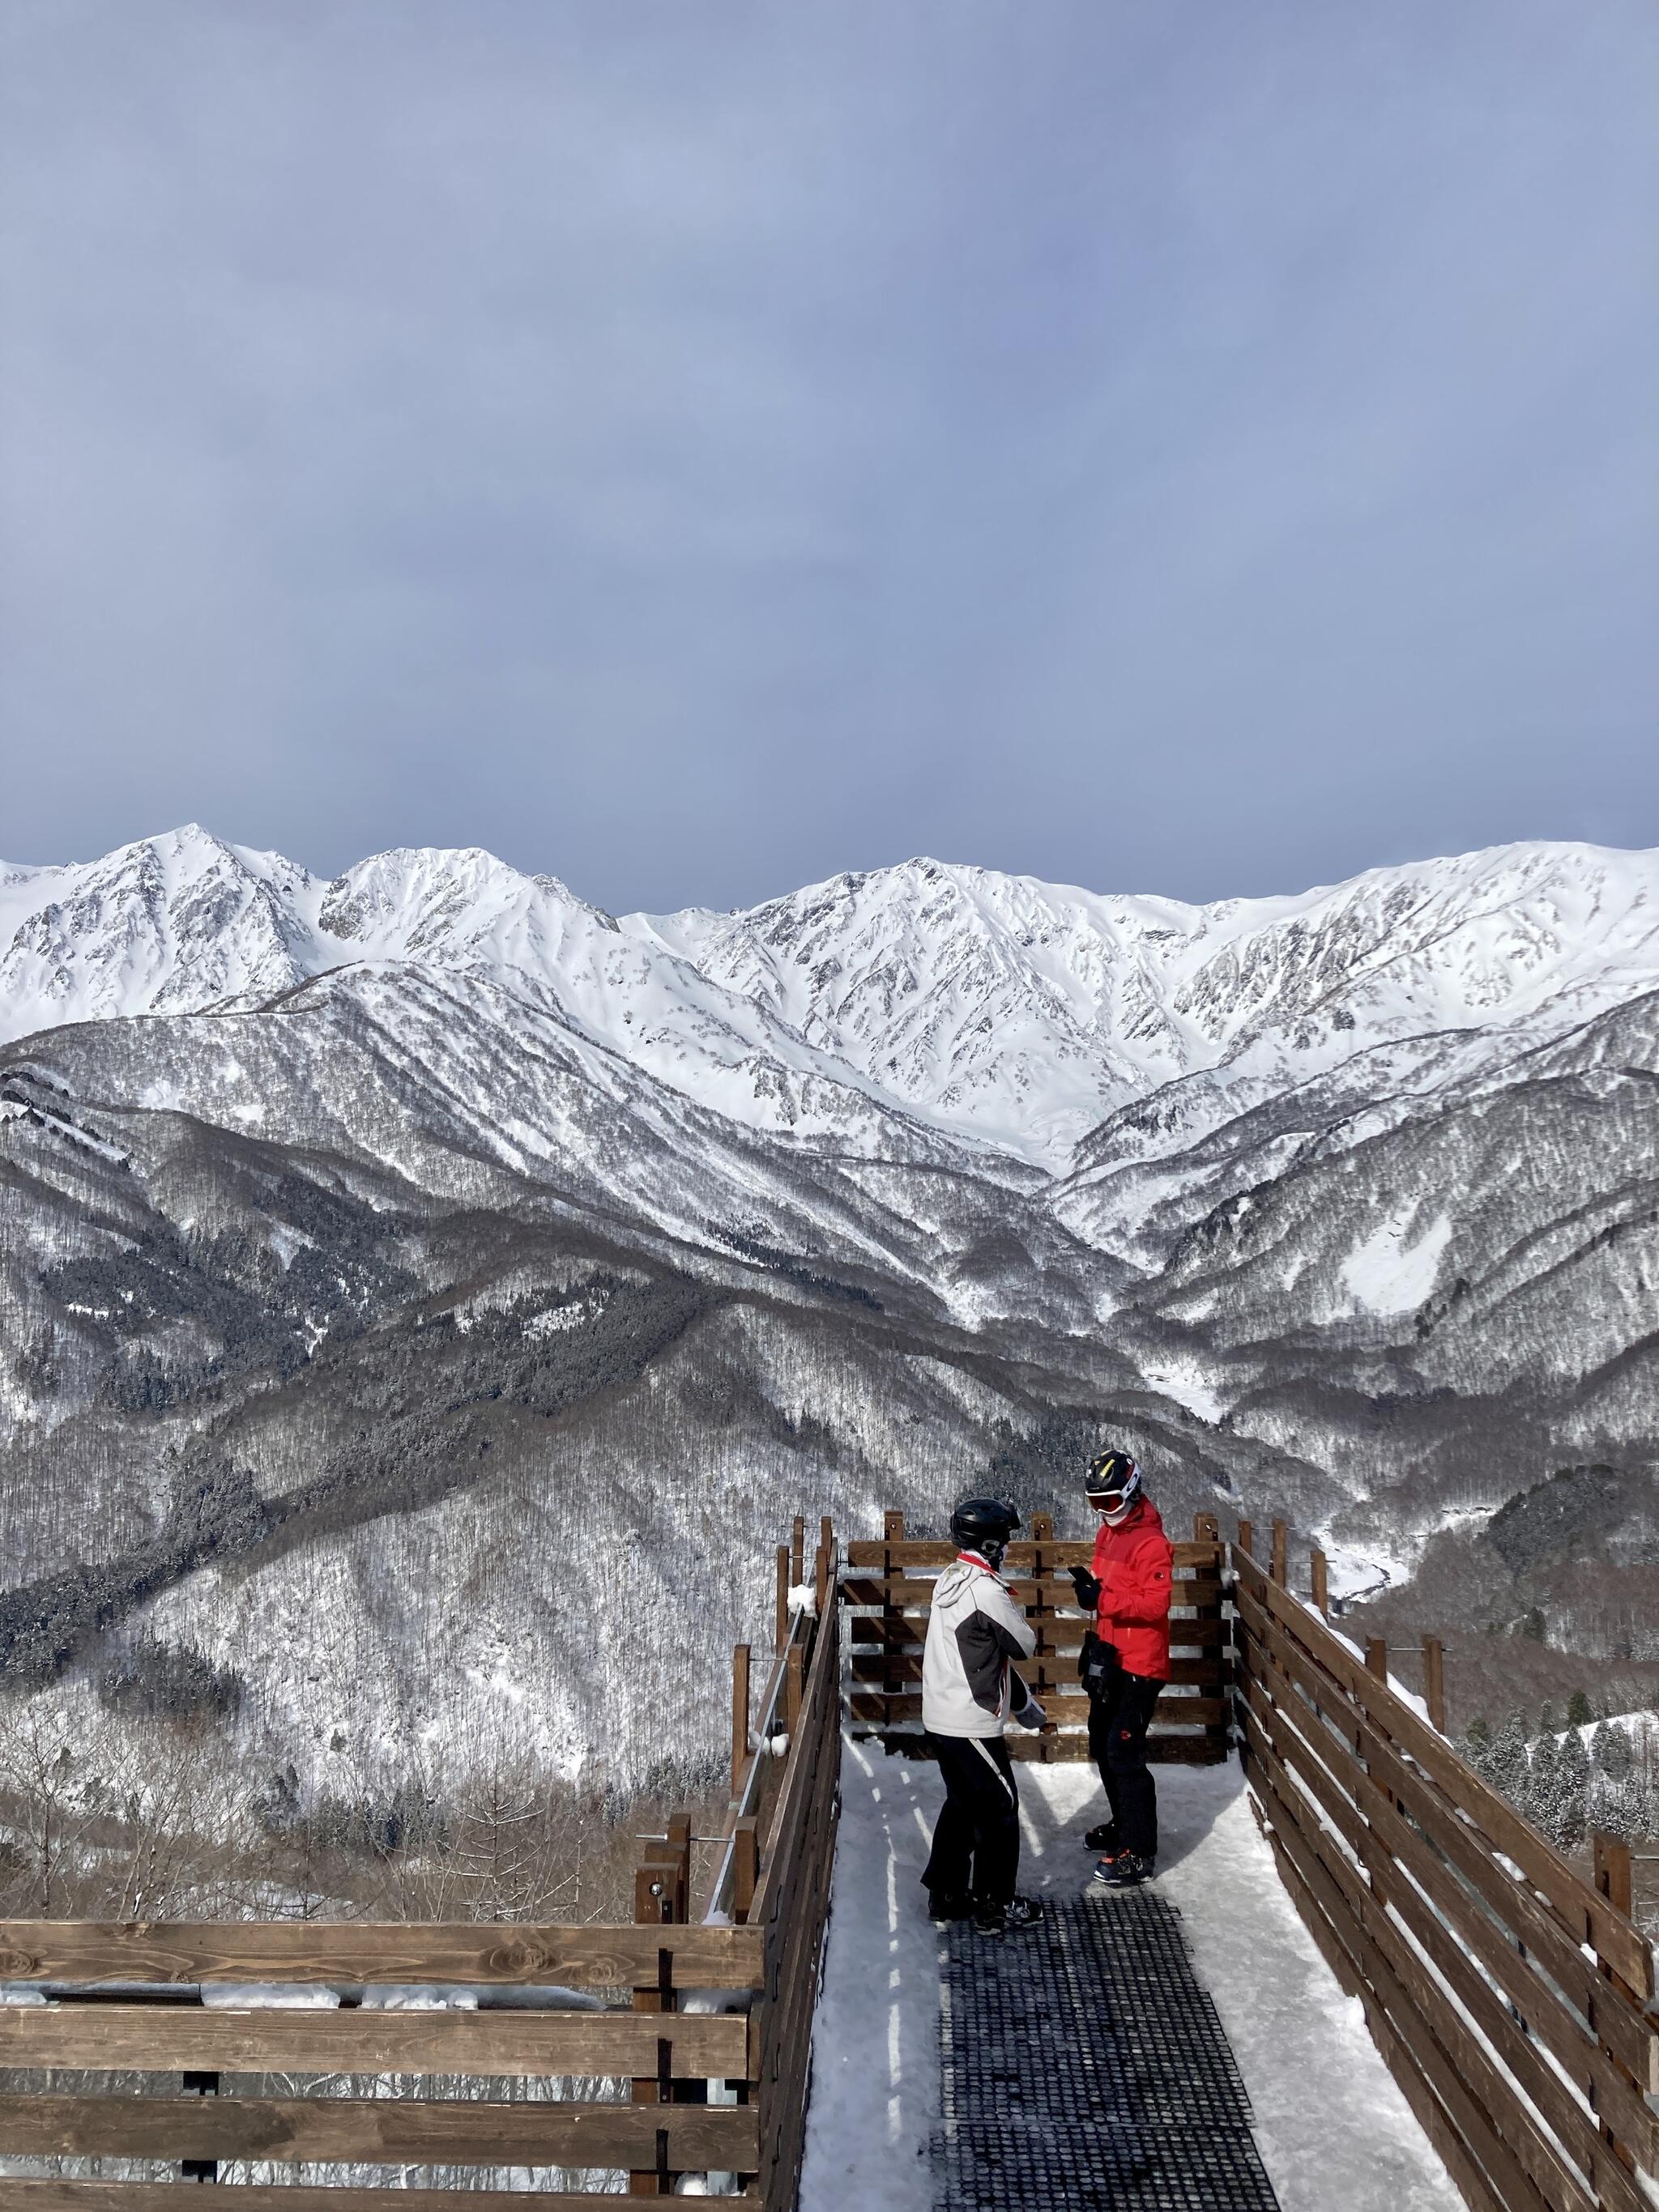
[976, 1843]
[1118, 1716]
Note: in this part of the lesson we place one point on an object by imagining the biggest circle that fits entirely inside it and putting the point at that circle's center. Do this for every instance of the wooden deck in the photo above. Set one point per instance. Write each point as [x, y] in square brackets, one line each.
[1513, 2001]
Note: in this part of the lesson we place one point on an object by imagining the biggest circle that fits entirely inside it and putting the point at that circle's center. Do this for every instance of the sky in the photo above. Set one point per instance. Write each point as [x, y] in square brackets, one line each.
[696, 446]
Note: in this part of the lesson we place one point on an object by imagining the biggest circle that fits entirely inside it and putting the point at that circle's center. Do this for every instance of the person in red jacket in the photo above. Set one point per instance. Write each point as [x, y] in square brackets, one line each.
[1126, 1661]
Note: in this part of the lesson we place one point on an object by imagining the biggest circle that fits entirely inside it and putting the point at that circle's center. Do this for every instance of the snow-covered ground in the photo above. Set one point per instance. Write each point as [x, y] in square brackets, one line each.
[1335, 2134]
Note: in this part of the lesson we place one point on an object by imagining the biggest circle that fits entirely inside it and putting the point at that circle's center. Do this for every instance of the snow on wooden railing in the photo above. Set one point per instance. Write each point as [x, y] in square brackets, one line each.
[1512, 2000]
[701, 2071]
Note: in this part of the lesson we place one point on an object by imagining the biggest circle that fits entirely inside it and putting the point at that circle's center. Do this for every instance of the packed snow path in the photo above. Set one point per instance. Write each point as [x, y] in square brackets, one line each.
[1083, 2067]
[1331, 2128]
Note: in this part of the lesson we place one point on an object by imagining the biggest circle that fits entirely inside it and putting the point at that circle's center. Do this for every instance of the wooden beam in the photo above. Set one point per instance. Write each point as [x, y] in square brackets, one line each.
[524, 2045]
[1434, 1681]
[740, 1752]
[918, 1555]
[17, 2195]
[463, 2132]
[360, 1951]
[1612, 1870]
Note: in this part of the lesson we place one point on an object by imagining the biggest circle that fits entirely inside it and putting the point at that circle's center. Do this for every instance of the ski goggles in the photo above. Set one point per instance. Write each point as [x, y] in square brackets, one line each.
[1107, 1501]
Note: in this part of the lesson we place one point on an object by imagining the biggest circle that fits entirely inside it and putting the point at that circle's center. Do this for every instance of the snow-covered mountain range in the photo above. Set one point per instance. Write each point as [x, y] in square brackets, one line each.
[417, 1206]
[1002, 1011]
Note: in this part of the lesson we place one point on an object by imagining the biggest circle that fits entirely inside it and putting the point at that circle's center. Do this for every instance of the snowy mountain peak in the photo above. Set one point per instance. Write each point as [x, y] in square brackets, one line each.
[993, 1008]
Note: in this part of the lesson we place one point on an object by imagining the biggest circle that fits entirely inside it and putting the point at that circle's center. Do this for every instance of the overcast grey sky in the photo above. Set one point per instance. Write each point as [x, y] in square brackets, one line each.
[695, 447]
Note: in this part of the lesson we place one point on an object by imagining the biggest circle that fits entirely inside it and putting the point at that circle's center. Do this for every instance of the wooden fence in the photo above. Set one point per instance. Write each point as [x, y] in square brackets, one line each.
[721, 2088]
[886, 1589]
[1511, 1999]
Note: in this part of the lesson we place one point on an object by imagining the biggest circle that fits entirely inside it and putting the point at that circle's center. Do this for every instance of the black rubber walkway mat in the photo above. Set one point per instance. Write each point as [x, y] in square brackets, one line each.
[1082, 2066]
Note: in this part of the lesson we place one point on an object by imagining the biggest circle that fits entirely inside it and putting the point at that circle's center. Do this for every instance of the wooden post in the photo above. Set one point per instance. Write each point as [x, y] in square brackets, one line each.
[1245, 1538]
[783, 1595]
[892, 1620]
[740, 1717]
[655, 1884]
[1321, 1587]
[1377, 1657]
[798, 1552]
[679, 1846]
[1280, 1567]
[745, 1866]
[1434, 1681]
[1612, 1870]
[1040, 1617]
[200, 2169]
[1206, 1529]
[826, 1564]
[794, 1682]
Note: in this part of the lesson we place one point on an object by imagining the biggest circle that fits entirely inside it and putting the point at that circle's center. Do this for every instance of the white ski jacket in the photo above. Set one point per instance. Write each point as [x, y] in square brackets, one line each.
[968, 1687]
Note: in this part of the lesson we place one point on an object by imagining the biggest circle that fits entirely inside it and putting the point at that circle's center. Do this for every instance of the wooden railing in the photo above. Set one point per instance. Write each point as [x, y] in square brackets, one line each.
[721, 2089]
[1512, 2000]
[886, 1589]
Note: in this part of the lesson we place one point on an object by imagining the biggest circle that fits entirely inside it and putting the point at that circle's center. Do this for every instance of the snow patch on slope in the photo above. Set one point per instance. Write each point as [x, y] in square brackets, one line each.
[1393, 1270]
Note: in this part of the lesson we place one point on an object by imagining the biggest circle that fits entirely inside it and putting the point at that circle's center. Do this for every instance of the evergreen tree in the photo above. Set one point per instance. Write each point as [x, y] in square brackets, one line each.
[1579, 1711]
[1505, 1762]
[1570, 1794]
[1538, 1790]
[1610, 1752]
[1476, 1740]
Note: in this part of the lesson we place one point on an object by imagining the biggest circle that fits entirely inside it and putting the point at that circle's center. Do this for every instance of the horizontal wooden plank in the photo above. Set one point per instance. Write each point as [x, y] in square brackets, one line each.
[1057, 1636]
[912, 1591]
[178, 2039]
[1020, 1558]
[1207, 1747]
[1197, 1643]
[1070, 1707]
[1585, 1914]
[18, 2196]
[460, 2133]
[361, 1951]
[905, 1665]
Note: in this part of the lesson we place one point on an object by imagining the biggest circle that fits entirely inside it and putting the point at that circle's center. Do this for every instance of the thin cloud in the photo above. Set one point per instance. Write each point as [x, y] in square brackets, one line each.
[697, 449]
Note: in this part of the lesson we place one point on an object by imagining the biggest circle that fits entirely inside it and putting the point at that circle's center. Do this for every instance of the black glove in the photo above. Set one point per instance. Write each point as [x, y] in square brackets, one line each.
[1095, 1666]
[1087, 1589]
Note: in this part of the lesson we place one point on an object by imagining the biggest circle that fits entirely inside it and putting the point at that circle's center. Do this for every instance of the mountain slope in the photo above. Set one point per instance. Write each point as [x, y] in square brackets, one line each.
[424, 1296]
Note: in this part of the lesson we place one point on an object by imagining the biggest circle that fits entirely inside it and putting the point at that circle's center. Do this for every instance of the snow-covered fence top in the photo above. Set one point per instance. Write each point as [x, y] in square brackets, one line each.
[1512, 2000]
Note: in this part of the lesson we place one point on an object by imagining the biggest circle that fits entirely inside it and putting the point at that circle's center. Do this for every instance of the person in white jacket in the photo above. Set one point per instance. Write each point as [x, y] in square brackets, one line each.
[969, 1692]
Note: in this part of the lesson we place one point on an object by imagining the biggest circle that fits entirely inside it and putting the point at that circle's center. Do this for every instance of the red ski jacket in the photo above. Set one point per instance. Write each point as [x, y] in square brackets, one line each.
[1133, 1564]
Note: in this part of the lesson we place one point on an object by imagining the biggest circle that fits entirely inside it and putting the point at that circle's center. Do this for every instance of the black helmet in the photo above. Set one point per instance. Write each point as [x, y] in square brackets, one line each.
[1114, 1476]
[984, 1525]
